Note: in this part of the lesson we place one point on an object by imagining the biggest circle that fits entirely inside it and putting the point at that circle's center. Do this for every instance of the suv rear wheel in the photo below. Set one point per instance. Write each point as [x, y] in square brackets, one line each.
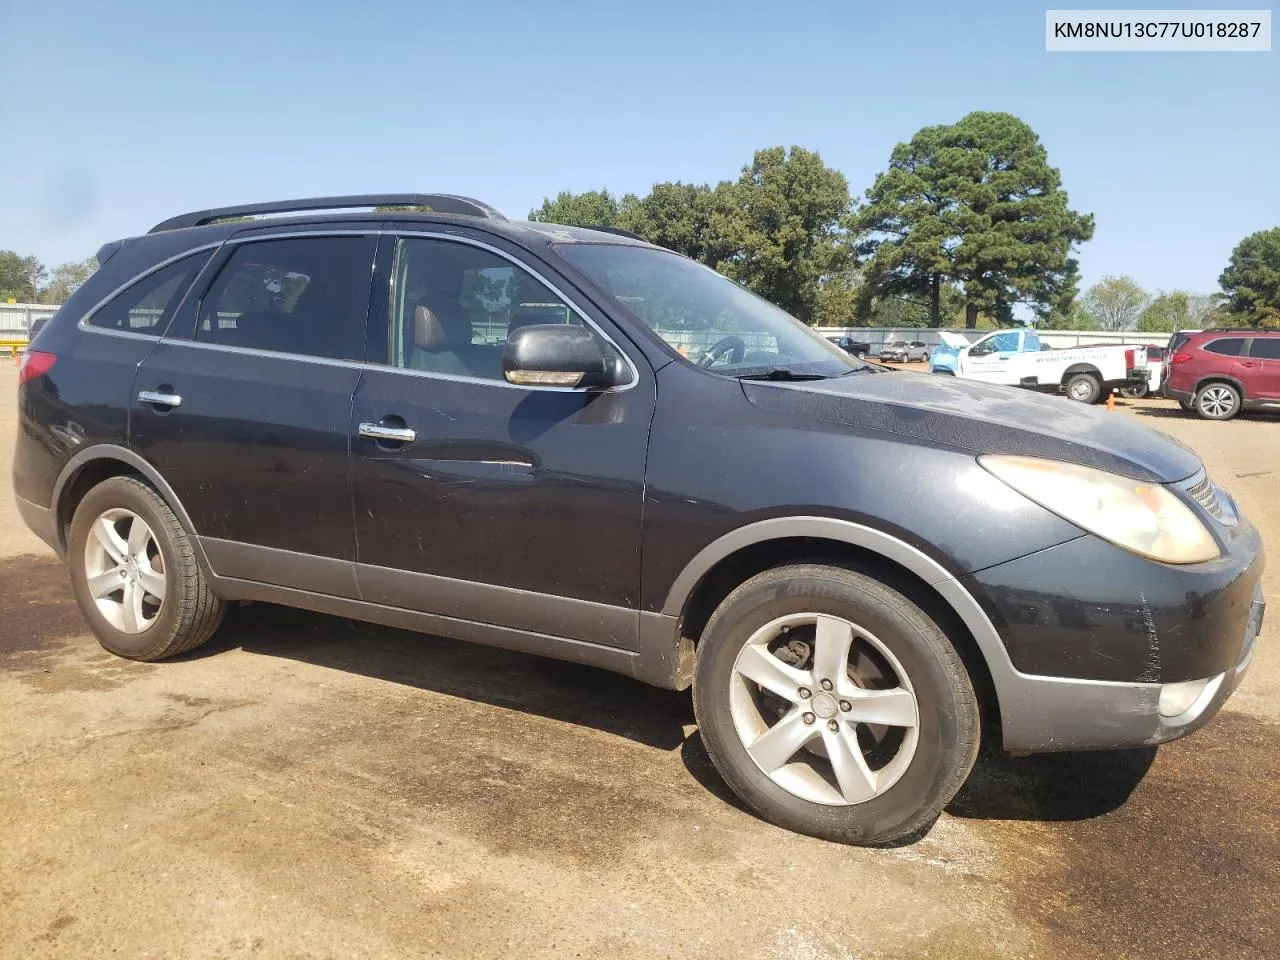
[833, 706]
[134, 573]
[1217, 401]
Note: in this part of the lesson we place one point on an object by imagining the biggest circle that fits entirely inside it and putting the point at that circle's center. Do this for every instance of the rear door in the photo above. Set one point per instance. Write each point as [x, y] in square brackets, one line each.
[244, 407]
[510, 505]
[1260, 370]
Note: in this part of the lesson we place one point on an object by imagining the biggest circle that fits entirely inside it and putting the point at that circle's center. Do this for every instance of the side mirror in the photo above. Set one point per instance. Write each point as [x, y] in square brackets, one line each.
[557, 355]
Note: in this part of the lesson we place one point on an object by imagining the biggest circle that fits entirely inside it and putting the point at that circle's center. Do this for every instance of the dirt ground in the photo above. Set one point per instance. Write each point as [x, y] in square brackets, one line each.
[306, 787]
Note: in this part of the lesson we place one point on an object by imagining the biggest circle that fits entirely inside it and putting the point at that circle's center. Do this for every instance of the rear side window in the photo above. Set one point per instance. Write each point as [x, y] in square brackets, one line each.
[1268, 348]
[304, 295]
[147, 306]
[1227, 346]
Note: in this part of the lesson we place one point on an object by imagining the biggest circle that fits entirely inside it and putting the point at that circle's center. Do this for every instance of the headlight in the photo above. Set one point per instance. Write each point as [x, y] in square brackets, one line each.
[1142, 517]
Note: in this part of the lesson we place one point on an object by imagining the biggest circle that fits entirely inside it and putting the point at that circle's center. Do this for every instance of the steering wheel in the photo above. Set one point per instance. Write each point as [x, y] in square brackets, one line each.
[733, 345]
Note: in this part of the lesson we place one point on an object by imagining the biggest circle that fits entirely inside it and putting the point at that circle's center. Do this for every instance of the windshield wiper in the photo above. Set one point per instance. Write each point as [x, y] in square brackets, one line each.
[780, 373]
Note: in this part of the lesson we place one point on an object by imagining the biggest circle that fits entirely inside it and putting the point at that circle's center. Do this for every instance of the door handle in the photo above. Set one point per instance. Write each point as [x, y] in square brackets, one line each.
[1246, 363]
[160, 399]
[376, 431]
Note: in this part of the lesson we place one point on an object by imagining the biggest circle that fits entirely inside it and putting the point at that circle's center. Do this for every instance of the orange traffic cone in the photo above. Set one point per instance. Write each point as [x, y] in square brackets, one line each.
[1111, 401]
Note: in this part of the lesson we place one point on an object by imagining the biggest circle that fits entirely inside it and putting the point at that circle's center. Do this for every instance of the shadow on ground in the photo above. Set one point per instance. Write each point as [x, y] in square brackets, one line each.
[40, 614]
[1177, 413]
[1050, 786]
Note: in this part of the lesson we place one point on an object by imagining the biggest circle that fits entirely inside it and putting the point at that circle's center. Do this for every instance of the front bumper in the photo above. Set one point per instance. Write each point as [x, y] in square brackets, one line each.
[1055, 713]
[1093, 636]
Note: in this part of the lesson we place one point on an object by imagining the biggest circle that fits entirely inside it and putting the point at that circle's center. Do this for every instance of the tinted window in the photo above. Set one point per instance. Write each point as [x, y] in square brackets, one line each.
[453, 306]
[306, 295]
[147, 306]
[1227, 346]
[1266, 347]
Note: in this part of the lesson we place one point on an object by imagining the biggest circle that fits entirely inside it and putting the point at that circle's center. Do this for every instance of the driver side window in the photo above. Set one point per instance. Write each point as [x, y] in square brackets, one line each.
[453, 306]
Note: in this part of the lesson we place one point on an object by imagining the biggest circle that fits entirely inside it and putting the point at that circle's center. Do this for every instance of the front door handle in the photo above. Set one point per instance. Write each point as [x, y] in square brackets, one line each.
[160, 399]
[377, 431]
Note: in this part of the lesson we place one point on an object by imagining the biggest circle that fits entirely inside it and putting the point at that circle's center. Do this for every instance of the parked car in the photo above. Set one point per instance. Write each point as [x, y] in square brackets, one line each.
[1016, 357]
[36, 326]
[858, 348]
[904, 351]
[483, 429]
[1218, 373]
[1155, 374]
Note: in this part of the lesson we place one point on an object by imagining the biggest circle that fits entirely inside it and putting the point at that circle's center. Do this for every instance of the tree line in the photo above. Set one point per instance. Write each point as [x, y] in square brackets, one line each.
[968, 224]
[27, 280]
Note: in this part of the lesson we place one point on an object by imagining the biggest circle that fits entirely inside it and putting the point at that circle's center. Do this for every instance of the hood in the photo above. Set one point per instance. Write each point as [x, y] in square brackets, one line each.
[953, 340]
[984, 418]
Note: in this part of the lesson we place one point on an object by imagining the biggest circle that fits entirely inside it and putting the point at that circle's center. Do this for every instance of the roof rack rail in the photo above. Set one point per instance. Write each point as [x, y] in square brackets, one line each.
[617, 231]
[436, 202]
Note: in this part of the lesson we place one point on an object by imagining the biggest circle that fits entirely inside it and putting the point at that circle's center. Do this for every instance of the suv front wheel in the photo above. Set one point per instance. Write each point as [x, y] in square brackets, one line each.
[833, 705]
[134, 573]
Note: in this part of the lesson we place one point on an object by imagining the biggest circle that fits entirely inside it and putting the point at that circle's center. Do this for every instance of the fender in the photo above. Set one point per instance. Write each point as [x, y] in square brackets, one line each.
[1015, 691]
[111, 451]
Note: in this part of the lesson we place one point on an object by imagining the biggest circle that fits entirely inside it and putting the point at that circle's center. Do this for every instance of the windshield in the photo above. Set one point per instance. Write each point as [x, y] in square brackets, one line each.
[706, 318]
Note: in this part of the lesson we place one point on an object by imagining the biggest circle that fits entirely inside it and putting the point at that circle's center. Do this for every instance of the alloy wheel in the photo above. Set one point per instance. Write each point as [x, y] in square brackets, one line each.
[124, 570]
[824, 709]
[1217, 401]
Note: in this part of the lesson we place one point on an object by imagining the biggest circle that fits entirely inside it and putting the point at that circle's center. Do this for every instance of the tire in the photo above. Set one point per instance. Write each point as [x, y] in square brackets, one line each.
[158, 559]
[924, 359]
[1135, 393]
[1083, 387]
[1217, 401]
[914, 770]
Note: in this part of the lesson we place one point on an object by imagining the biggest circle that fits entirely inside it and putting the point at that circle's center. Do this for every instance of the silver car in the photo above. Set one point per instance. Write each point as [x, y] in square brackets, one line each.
[905, 351]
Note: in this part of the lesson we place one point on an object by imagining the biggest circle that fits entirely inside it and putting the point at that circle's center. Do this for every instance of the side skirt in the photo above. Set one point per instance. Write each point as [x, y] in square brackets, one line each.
[653, 664]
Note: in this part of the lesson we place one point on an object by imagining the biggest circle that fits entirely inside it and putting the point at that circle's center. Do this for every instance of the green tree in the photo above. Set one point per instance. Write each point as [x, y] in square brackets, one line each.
[1114, 303]
[595, 208]
[1166, 313]
[66, 279]
[1073, 317]
[679, 216]
[20, 277]
[973, 203]
[785, 221]
[1251, 281]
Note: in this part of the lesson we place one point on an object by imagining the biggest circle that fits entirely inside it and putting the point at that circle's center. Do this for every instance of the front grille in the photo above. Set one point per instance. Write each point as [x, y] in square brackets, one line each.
[1206, 494]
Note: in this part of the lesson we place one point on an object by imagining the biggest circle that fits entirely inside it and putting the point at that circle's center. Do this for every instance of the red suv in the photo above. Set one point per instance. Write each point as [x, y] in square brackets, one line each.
[1218, 373]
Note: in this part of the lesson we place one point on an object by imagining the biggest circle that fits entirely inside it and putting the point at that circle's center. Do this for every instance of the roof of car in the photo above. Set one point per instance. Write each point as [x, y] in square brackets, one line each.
[1230, 331]
[217, 223]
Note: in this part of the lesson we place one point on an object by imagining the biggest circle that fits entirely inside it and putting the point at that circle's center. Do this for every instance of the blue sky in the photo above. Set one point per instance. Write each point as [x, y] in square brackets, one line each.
[116, 116]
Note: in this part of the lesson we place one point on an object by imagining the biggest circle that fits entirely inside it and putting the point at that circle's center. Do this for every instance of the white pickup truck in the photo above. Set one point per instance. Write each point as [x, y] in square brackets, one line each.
[1016, 358]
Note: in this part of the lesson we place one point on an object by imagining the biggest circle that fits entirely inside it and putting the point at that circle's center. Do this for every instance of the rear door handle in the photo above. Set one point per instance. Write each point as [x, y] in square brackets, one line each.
[160, 399]
[377, 431]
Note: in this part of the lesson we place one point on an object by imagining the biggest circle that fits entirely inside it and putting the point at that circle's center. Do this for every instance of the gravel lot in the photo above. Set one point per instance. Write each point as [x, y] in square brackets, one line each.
[306, 787]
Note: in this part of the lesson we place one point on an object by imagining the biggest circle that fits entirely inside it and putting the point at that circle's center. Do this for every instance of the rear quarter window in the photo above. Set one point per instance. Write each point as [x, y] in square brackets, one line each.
[1225, 346]
[147, 305]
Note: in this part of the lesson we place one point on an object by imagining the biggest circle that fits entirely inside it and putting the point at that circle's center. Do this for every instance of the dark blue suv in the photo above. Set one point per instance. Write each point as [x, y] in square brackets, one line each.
[575, 443]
